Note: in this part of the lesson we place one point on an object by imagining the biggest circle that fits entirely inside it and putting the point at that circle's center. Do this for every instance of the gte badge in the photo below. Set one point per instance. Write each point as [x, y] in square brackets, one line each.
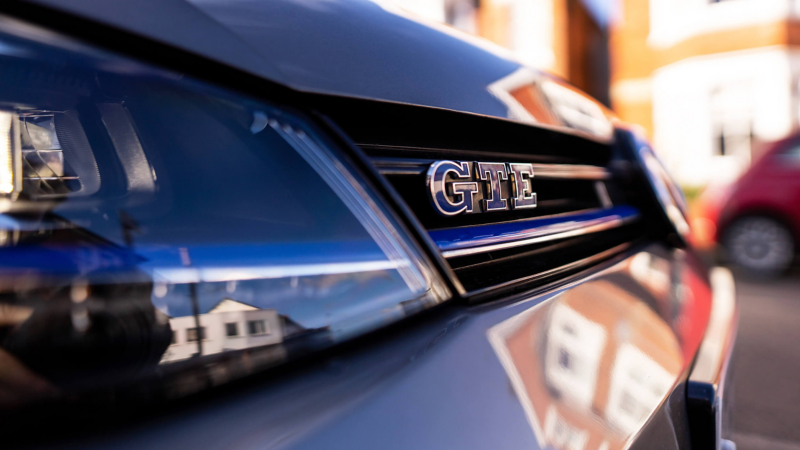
[493, 187]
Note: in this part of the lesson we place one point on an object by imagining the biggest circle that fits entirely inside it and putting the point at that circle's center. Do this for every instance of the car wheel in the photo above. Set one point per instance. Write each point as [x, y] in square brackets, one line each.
[760, 244]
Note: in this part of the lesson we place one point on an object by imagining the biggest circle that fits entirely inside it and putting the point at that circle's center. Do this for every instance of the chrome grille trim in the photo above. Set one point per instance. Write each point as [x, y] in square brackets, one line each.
[571, 171]
[463, 241]
[402, 166]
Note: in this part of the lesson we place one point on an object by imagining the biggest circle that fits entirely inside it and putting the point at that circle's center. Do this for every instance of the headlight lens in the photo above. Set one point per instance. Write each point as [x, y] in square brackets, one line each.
[153, 225]
[661, 188]
[669, 195]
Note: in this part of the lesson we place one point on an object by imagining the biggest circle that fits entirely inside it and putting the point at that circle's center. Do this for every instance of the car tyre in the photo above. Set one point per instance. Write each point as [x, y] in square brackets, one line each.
[762, 246]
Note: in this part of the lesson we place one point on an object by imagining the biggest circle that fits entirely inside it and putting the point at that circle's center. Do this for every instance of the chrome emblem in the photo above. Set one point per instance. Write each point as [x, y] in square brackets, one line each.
[493, 187]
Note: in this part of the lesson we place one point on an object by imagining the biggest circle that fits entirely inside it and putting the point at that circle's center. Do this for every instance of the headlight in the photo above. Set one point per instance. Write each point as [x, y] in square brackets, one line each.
[153, 225]
[669, 195]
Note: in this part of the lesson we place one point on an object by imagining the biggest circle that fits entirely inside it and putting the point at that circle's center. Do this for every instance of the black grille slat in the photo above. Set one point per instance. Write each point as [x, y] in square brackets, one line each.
[509, 266]
[386, 129]
[433, 154]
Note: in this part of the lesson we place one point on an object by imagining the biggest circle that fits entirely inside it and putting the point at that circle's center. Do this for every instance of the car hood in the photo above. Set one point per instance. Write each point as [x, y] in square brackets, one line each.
[358, 48]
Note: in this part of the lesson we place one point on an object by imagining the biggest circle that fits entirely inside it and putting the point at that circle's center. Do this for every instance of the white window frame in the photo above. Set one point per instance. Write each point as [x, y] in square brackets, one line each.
[266, 329]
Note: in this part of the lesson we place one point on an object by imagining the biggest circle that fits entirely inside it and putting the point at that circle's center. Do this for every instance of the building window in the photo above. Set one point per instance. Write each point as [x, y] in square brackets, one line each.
[174, 337]
[192, 334]
[735, 141]
[231, 329]
[732, 112]
[257, 327]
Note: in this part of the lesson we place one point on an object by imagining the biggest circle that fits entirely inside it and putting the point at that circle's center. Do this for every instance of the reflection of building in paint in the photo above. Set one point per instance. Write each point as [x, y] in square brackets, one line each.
[652, 272]
[230, 325]
[572, 358]
[566, 37]
[560, 433]
[589, 366]
[638, 384]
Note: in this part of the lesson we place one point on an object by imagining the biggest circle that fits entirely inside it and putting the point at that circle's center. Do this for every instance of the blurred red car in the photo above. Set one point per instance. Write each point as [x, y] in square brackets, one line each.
[757, 219]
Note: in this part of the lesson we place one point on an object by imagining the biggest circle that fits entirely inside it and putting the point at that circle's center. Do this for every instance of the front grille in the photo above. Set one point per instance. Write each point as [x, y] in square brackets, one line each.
[582, 216]
[577, 222]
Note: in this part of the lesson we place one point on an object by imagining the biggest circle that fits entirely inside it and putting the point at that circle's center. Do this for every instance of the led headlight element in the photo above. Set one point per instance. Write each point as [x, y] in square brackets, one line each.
[9, 154]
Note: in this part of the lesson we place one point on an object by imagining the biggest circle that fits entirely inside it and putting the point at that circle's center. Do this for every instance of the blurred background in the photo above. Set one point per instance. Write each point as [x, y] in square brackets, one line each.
[715, 85]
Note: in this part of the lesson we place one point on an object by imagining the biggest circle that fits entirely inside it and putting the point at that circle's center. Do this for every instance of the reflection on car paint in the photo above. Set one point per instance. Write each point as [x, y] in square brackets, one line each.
[591, 365]
[538, 98]
[177, 236]
[253, 313]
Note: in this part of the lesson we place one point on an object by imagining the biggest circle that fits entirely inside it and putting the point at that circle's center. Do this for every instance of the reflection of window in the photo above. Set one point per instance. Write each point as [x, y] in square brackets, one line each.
[560, 433]
[638, 384]
[256, 327]
[231, 329]
[191, 334]
[632, 407]
[574, 347]
[564, 359]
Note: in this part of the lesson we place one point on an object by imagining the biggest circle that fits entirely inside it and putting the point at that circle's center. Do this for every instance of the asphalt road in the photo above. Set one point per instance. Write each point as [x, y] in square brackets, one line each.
[766, 377]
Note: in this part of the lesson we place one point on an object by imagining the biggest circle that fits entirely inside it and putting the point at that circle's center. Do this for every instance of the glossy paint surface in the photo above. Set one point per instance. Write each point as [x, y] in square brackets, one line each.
[588, 366]
[358, 48]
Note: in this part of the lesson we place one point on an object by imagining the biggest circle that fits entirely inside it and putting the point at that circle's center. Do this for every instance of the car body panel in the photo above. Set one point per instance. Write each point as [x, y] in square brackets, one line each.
[591, 363]
[174, 22]
[356, 48]
[366, 49]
